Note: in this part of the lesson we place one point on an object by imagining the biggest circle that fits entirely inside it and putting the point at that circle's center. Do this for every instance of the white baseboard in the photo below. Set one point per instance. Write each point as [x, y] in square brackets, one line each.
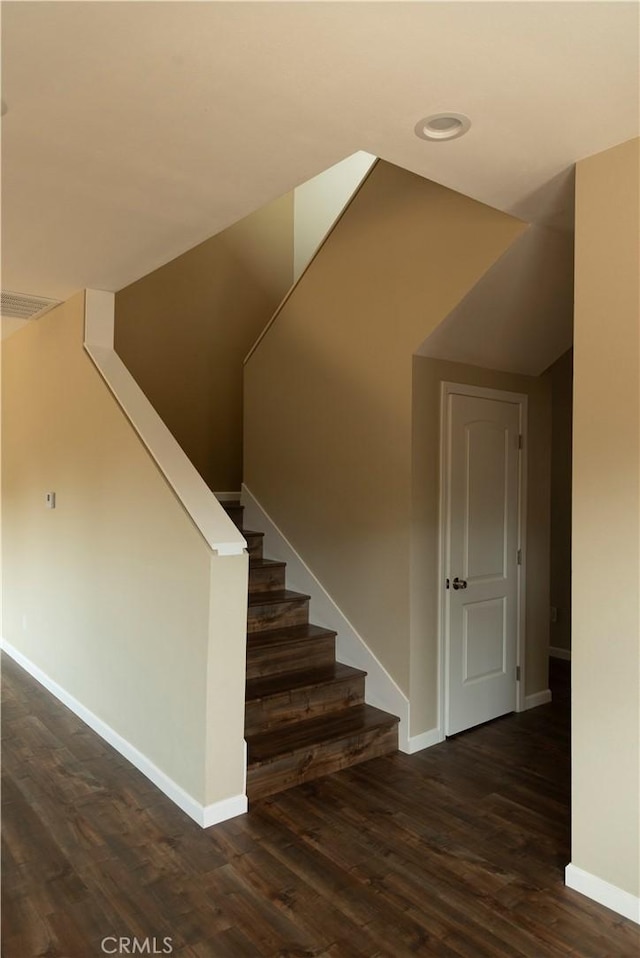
[203, 815]
[227, 496]
[555, 652]
[538, 698]
[381, 690]
[223, 810]
[618, 900]
[425, 740]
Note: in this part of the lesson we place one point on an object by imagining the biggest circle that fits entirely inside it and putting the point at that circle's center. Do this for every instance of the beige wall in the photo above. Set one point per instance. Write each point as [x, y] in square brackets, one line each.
[319, 202]
[184, 330]
[561, 376]
[606, 518]
[428, 374]
[111, 593]
[328, 393]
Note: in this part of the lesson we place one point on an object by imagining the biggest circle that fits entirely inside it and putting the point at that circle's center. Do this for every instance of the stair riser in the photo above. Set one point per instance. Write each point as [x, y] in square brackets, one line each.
[286, 708]
[277, 615]
[269, 579]
[298, 767]
[290, 657]
[254, 545]
[235, 514]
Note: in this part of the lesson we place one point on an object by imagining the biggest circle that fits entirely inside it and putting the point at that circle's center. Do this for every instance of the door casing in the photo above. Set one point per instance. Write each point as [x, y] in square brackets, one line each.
[481, 392]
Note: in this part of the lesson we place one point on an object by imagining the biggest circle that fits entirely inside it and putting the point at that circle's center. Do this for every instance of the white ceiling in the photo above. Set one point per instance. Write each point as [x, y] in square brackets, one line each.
[136, 130]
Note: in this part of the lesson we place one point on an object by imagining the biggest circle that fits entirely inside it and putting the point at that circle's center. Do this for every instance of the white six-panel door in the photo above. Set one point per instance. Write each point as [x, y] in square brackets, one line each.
[481, 533]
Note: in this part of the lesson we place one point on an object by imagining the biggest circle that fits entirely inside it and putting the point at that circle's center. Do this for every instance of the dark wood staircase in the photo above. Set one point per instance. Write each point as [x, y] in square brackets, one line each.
[305, 714]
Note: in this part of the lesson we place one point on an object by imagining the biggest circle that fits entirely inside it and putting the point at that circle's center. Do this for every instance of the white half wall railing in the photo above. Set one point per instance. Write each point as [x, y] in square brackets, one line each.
[198, 500]
[318, 206]
[318, 203]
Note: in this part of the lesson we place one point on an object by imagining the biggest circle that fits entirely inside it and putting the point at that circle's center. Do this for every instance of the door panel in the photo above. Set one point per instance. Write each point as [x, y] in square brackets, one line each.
[484, 551]
[484, 652]
[481, 546]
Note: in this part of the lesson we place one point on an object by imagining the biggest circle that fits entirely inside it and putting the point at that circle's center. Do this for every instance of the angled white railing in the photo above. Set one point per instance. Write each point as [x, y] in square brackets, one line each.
[200, 503]
[319, 205]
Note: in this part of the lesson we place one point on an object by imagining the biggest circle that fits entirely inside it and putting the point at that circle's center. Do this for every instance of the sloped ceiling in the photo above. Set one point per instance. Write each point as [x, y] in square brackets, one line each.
[136, 130]
[519, 317]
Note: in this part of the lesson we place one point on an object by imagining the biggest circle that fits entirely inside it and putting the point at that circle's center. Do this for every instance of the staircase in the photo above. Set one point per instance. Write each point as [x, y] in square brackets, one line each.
[305, 714]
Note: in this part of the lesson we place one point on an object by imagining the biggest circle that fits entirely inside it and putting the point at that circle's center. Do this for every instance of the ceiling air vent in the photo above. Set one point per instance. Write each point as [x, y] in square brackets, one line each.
[22, 306]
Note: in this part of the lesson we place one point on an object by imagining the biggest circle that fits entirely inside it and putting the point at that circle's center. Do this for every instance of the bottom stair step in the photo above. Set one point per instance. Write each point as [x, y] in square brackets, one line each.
[282, 758]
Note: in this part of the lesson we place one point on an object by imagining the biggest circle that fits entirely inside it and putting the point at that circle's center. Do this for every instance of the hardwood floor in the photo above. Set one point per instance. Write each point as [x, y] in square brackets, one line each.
[456, 851]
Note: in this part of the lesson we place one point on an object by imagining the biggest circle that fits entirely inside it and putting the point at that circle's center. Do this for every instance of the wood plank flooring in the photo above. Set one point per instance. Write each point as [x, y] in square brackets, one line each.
[456, 851]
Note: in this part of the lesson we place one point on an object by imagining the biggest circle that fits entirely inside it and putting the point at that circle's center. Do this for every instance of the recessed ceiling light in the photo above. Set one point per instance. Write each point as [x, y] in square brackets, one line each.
[442, 126]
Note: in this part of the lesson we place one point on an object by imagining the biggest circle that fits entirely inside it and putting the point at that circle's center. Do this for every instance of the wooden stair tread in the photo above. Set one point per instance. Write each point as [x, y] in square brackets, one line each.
[260, 563]
[281, 595]
[265, 747]
[296, 681]
[305, 714]
[290, 633]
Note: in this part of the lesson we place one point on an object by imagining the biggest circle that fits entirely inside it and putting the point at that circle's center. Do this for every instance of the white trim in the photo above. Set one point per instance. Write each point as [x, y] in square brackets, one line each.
[555, 652]
[380, 688]
[597, 889]
[99, 318]
[535, 699]
[318, 203]
[443, 678]
[227, 496]
[298, 278]
[223, 810]
[203, 815]
[523, 469]
[425, 740]
[200, 503]
[521, 400]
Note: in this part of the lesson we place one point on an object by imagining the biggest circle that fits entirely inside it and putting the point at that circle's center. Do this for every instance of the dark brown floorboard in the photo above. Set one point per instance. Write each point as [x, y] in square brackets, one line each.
[456, 852]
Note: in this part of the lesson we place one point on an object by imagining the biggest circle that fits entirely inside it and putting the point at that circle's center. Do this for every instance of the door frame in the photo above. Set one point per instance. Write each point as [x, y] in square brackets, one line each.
[521, 400]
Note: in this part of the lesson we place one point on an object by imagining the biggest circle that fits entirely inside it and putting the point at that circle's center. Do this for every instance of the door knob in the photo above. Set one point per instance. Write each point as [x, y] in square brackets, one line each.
[459, 583]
